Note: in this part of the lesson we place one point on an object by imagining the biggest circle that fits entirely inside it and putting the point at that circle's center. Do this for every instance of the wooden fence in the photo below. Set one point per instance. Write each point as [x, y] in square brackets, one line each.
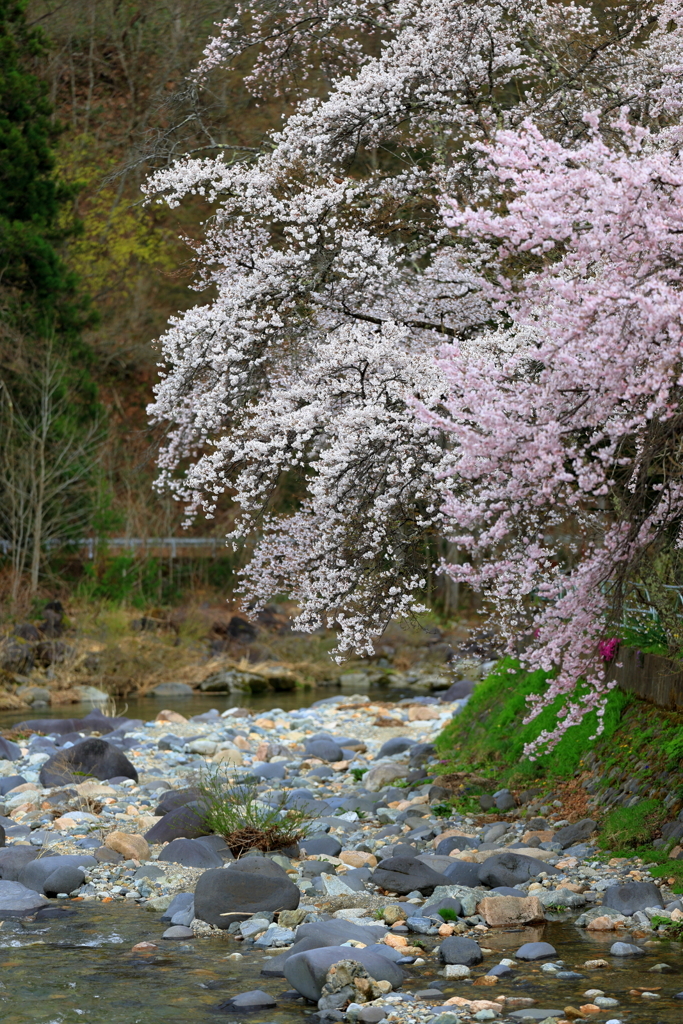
[655, 679]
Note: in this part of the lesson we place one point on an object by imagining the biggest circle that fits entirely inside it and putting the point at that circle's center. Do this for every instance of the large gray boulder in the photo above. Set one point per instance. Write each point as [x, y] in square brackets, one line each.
[579, 832]
[186, 822]
[306, 972]
[458, 950]
[463, 873]
[627, 899]
[10, 781]
[174, 798]
[457, 691]
[191, 853]
[456, 843]
[66, 879]
[321, 844]
[91, 759]
[9, 751]
[536, 951]
[13, 860]
[407, 874]
[511, 869]
[396, 745]
[47, 873]
[326, 750]
[225, 895]
[320, 934]
[16, 900]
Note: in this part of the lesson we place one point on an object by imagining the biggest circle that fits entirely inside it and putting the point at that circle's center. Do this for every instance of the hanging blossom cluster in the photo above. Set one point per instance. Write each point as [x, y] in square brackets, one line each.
[335, 280]
[570, 444]
[359, 538]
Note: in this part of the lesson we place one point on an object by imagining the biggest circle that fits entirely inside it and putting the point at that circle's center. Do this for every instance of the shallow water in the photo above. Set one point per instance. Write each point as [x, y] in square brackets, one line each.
[147, 708]
[82, 968]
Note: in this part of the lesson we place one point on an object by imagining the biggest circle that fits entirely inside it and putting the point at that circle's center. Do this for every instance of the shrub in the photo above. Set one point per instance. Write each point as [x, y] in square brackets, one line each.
[234, 810]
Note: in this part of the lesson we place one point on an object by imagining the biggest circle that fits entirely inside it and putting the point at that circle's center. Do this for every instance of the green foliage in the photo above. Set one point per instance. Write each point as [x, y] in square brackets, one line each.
[669, 869]
[31, 197]
[630, 827]
[448, 914]
[358, 773]
[674, 929]
[491, 728]
[232, 809]
[672, 749]
[648, 636]
[442, 810]
[141, 581]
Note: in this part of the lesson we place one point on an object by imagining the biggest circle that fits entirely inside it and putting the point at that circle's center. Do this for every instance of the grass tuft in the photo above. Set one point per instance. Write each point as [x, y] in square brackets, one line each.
[234, 810]
[631, 827]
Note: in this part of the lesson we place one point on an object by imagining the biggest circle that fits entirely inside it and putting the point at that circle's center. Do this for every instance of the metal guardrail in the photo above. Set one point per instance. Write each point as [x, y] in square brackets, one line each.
[90, 544]
[648, 609]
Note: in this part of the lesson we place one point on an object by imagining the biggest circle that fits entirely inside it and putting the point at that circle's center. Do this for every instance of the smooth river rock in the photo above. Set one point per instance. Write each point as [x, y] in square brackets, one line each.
[93, 758]
[306, 972]
[225, 895]
[16, 900]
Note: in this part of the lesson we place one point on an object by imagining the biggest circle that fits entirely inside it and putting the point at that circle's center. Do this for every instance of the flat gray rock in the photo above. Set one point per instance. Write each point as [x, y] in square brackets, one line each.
[249, 1001]
[534, 1013]
[178, 931]
[535, 951]
[16, 900]
[510, 868]
[61, 870]
[627, 899]
[224, 895]
[626, 949]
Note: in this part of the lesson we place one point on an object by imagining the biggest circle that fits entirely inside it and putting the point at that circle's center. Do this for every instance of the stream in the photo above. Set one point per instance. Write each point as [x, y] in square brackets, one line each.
[82, 968]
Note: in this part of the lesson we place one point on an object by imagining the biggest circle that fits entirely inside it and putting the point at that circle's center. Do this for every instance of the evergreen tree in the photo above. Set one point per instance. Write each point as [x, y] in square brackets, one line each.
[43, 290]
[48, 408]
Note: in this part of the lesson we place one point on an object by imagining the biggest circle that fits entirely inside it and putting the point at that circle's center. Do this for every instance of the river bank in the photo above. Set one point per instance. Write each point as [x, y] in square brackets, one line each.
[382, 848]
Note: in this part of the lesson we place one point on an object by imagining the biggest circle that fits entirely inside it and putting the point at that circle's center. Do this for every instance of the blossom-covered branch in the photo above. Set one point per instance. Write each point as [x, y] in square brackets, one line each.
[570, 443]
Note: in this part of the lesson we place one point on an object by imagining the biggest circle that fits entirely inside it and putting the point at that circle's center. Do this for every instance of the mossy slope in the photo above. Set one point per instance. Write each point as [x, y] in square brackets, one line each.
[490, 732]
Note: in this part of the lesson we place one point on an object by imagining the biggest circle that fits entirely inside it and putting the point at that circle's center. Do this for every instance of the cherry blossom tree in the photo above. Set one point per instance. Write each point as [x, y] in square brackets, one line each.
[567, 424]
[336, 278]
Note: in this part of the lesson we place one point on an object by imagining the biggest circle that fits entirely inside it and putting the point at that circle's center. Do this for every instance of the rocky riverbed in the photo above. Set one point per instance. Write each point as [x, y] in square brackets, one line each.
[390, 908]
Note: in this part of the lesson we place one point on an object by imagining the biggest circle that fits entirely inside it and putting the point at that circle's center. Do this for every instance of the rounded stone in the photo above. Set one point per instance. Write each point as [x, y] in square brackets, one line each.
[458, 950]
[93, 757]
[16, 900]
[191, 853]
[626, 949]
[63, 880]
[535, 951]
[178, 931]
[129, 845]
[226, 895]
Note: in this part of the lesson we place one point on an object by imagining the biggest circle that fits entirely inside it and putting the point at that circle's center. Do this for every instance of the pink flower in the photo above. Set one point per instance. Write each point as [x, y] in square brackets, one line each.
[607, 649]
